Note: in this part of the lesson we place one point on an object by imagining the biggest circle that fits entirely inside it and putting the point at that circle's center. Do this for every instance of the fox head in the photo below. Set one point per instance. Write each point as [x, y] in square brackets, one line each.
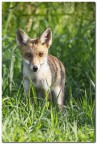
[34, 51]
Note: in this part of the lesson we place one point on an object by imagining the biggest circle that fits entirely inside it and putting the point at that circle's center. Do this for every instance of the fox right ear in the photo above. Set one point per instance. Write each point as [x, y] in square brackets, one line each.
[21, 37]
[46, 37]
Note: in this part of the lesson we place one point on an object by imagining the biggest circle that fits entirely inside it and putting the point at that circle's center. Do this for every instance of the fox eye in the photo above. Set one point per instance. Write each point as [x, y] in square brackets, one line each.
[29, 55]
[40, 54]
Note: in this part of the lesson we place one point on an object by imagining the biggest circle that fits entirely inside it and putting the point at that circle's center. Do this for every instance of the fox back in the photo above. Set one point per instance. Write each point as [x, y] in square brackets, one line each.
[45, 71]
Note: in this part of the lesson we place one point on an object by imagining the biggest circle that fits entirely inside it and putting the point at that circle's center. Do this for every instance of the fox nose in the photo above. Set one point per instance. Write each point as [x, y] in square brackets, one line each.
[35, 68]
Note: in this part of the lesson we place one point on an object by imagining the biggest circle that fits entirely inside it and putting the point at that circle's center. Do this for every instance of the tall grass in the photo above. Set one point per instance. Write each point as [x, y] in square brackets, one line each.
[74, 44]
[23, 122]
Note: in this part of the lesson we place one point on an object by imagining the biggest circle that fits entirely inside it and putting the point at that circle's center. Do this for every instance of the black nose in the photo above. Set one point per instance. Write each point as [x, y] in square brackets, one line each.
[35, 68]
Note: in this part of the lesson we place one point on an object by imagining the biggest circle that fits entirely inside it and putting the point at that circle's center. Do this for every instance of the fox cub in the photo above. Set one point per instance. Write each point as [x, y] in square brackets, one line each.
[46, 71]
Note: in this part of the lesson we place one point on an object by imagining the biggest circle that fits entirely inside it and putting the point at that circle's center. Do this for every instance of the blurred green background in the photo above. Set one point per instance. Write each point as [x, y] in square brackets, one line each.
[73, 29]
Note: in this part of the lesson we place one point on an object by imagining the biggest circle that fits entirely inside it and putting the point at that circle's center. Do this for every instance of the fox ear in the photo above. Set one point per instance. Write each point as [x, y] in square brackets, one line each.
[46, 37]
[21, 37]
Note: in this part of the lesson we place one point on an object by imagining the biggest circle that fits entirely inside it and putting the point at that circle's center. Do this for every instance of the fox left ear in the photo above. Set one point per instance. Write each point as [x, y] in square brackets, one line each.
[21, 37]
[46, 37]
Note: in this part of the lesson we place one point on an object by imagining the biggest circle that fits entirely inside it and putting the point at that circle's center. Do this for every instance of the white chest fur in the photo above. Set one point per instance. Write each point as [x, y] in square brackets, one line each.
[41, 78]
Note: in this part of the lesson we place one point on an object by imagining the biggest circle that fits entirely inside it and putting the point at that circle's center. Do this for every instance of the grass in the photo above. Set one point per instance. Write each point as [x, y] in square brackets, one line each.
[23, 122]
[73, 27]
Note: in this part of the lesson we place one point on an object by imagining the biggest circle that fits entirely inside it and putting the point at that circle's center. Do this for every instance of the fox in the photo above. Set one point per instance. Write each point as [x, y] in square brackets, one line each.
[46, 72]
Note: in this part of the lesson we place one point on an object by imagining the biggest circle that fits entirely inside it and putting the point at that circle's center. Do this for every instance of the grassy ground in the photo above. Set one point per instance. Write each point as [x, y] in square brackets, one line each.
[73, 27]
[23, 122]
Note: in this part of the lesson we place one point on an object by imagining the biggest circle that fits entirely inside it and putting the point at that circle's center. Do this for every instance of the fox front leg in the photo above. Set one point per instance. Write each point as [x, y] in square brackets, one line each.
[27, 89]
[26, 85]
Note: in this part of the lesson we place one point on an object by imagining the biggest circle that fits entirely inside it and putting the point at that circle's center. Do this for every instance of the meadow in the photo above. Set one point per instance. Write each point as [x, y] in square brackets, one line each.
[73, 28]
